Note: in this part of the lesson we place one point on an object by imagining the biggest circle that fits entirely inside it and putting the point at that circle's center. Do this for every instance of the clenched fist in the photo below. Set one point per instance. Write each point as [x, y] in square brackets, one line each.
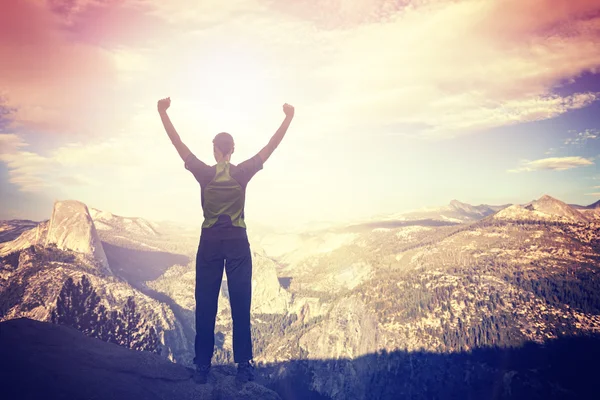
[163, 104]
[288, 110]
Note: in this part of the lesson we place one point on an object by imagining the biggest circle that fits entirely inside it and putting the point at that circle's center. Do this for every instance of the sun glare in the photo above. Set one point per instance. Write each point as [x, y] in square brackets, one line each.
[236, 81]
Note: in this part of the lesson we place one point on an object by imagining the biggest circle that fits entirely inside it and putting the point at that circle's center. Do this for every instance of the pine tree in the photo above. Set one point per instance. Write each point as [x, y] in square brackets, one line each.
[89, 319]
[65, 313]
[151, 342]
[78, 306]
[132, 324]
[137, 334]
[108, 329]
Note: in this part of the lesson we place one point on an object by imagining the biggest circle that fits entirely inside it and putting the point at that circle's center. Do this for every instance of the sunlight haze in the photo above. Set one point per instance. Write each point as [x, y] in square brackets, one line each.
[399, 105]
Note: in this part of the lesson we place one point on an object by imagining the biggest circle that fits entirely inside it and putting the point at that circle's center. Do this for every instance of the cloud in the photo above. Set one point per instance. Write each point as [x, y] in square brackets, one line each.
[73, 180]
[91, 70]
[63, 167]
[553, 163]
[593, 194]
[454, 67]
[581, 138]
[10, 143]
[47, 78]
[465, 66]
[6, 115]
[28, 170]
[123, 159]
[113, 151]
[32, 172]
[58, 71]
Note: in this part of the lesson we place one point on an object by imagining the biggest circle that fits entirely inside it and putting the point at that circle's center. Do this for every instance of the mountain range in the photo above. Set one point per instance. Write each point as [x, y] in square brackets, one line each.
[446, 281]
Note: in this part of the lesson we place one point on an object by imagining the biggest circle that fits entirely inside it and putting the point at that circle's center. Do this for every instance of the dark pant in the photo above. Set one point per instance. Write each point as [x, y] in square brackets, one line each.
[212, 256]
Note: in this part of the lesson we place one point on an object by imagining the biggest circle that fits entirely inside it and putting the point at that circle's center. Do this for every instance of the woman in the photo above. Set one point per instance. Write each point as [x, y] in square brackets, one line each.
[223, 242]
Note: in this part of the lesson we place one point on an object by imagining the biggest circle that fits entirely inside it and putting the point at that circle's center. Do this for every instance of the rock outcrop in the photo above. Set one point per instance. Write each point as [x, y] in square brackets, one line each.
[47, 361]
[268, 297]
[12, 229]
[31, 283]
[349, 331]
[33, 236]
[71, 228]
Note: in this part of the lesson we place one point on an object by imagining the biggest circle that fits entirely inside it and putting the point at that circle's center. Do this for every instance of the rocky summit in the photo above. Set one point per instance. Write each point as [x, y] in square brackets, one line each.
[71, 228]
[546, 208]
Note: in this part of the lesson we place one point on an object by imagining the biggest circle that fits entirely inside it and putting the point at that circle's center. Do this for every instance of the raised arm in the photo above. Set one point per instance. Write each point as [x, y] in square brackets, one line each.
[181, 148]
[266, 152]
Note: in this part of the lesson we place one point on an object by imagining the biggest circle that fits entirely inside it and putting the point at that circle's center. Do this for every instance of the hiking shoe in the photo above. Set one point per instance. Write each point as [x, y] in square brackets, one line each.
[245, 372]
[201, 373]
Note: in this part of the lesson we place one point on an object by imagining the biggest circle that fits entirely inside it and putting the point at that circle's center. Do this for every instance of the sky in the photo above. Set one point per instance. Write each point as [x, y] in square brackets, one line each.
[399, 105]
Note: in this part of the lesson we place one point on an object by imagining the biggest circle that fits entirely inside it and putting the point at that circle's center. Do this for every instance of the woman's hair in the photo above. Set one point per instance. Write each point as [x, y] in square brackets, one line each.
[224, 142]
